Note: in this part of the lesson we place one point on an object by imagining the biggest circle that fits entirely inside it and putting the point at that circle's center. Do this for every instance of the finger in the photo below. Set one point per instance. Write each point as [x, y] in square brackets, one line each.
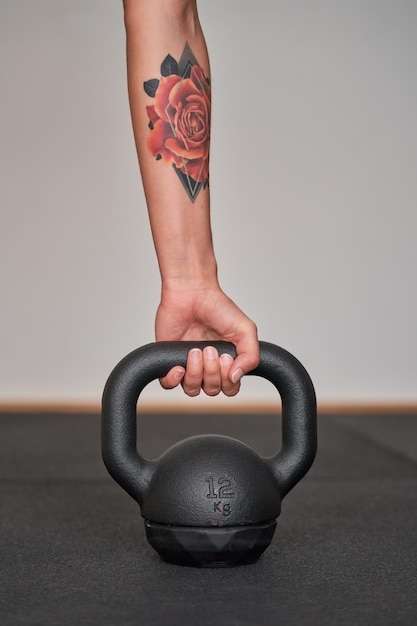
[173, 378]
[247, 349]
[228, 387]
[212, 381]
[193, 378]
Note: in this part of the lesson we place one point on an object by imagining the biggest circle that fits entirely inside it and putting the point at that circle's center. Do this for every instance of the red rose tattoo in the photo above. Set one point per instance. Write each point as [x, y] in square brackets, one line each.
[179, 120]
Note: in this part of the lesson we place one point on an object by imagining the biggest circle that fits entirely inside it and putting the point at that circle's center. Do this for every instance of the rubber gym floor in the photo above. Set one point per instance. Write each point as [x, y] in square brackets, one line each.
[73, 547]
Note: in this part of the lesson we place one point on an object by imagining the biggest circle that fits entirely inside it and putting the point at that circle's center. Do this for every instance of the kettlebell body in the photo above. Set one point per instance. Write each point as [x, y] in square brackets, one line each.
[208, 500]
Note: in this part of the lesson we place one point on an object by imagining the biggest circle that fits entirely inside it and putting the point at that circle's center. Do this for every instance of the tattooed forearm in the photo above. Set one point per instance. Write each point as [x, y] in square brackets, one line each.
[179, 120]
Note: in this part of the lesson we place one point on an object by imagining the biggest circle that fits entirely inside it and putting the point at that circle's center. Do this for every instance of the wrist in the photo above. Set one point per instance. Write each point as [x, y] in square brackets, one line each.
[190, 282]
[190, 273]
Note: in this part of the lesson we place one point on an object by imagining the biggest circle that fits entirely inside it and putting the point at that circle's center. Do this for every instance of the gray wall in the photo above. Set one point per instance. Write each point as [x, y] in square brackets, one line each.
[313, 180]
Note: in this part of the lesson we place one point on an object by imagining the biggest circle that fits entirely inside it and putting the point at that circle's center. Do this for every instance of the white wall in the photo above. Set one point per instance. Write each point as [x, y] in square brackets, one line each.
[313, 180]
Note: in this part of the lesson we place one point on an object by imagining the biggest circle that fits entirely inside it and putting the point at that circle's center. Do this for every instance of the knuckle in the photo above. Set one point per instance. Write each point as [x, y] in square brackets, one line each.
[211, 391]
[193, 393]
[232, 391]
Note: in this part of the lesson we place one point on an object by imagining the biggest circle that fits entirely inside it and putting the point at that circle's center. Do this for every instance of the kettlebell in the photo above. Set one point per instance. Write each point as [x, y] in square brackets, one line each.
[208, 501]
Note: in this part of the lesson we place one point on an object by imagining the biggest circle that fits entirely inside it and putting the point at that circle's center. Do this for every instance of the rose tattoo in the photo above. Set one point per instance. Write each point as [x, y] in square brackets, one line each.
[179, 120]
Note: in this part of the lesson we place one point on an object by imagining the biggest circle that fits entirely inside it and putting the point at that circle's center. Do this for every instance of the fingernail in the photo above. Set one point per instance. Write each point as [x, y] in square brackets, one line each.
[179, 373]
[210, 352]
[237, 375]
[195, 355]
[226, 359]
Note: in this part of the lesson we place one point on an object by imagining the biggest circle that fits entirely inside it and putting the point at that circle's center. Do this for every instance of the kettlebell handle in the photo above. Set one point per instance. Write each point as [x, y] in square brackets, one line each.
[145, 364]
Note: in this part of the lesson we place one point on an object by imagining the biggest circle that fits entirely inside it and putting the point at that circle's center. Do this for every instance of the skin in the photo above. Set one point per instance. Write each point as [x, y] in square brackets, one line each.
[193, 305]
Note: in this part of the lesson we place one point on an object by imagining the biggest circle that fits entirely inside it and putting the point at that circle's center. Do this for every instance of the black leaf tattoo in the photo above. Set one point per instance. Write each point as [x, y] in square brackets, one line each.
[151, 86]
[169, 66]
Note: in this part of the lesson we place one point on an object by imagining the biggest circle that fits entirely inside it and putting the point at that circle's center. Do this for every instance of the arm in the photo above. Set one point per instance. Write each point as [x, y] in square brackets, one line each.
[169, 93]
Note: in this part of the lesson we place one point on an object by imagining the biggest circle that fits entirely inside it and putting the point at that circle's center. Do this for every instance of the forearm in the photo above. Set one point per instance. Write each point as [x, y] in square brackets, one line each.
[179, 216]
[170, 101]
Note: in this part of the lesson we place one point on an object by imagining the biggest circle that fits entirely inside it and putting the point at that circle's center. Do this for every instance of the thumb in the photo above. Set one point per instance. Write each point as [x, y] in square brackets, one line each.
[247, 359]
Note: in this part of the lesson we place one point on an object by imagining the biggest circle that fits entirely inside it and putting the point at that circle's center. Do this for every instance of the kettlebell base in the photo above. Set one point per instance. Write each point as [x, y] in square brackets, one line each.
[225, 546]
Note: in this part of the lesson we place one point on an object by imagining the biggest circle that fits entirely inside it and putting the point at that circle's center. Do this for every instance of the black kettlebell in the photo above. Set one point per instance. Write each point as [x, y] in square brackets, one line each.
[208, 501]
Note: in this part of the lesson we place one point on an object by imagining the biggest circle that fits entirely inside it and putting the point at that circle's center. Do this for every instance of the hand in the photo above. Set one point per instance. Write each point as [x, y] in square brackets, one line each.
[207, 314]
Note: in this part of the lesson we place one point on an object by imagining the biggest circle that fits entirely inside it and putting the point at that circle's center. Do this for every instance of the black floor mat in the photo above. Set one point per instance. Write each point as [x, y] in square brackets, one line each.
[73, 549]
